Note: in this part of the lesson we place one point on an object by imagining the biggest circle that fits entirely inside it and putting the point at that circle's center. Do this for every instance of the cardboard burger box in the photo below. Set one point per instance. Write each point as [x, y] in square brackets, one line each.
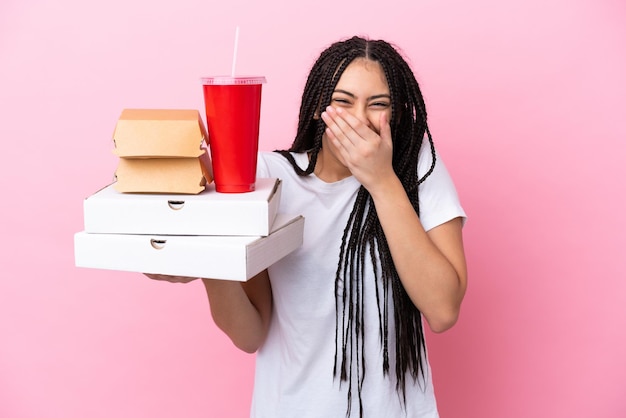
[206, 213]
[159, 133]
[161, 151]
[163, 175]
[220, 257]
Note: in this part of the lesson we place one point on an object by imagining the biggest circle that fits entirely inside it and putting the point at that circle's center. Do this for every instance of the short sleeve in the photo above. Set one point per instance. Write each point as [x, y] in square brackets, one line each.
[262, 170]
[438, 198]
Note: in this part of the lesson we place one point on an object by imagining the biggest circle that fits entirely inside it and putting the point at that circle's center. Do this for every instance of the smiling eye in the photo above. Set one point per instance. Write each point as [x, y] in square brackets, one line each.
[340, 100]
[380, 104]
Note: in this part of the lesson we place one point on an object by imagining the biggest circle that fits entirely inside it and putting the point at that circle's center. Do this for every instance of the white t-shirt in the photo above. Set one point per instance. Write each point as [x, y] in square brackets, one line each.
[294, 367]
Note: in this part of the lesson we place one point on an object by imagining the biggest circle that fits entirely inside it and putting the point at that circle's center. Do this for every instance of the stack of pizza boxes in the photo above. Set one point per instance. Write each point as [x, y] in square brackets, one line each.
[162, 214]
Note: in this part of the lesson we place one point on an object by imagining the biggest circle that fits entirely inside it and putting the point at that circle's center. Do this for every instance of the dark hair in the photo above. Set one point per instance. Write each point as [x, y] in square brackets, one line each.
[363, 233]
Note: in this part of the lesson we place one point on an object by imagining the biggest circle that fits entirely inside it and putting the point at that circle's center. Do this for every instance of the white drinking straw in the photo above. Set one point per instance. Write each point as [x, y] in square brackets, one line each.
[232, 72]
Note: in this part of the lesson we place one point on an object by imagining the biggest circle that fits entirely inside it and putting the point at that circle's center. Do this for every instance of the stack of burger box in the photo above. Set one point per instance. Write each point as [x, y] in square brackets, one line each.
[153, 218]
[161, 151]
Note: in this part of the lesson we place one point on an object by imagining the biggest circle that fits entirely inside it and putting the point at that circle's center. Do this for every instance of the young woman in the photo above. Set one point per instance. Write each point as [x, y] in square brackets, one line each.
[338, 324]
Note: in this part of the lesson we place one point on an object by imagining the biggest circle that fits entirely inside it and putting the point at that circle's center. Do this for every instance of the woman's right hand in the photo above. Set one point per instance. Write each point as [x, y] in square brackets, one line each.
[171, 279]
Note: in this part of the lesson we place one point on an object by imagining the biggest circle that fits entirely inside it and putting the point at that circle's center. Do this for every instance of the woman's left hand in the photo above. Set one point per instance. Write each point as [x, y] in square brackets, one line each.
[365, 152]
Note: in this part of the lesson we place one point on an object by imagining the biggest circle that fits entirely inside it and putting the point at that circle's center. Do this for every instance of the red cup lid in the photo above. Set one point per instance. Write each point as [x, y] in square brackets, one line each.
[237, 80]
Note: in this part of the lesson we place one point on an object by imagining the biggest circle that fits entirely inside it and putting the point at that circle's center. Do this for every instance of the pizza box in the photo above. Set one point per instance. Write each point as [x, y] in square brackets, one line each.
[236, 258]
[207, 213]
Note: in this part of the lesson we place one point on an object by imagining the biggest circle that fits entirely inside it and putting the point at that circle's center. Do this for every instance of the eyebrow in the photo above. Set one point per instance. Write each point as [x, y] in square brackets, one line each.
[376, 96]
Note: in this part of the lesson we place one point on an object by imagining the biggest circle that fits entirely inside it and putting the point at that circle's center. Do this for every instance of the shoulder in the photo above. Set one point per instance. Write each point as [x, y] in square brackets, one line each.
[438, 197]
[273, 164]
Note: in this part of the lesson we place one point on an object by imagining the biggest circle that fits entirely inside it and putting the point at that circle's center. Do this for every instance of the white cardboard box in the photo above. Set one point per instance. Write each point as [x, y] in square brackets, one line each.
[220, 257]
[207, 213]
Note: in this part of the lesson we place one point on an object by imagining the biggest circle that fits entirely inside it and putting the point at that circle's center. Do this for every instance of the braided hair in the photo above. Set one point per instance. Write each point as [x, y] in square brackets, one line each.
[363, 235]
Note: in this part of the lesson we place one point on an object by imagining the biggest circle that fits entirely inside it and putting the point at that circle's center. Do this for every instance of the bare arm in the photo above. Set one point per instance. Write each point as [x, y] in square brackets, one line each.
[431, 265]
[241, 310]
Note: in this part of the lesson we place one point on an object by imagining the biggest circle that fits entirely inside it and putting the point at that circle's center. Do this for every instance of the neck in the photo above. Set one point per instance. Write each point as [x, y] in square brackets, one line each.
[328, 168]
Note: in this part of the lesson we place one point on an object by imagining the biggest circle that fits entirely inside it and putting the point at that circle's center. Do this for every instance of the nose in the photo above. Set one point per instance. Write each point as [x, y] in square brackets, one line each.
[360, 112]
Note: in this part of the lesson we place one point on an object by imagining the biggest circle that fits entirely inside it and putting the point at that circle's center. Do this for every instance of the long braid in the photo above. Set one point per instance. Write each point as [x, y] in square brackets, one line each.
[410, 345]
[363, 235]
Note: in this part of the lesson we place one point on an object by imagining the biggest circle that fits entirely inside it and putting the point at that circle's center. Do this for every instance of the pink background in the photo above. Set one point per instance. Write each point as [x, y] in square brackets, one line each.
[526, 103]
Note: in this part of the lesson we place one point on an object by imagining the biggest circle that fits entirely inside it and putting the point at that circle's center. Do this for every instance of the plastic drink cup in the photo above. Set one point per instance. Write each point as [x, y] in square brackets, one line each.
[233, 110]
